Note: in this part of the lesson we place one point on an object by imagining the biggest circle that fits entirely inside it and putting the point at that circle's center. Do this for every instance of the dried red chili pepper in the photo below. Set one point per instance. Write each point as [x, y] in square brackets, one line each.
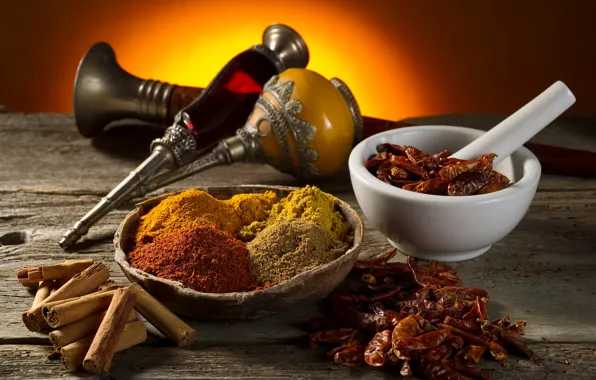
[376, 160]
[381, 259]
[478, 310]
[430, 164]
[508, 340]
[350, 356]
[516, 345]
[495, 182]
[338, 336]
[372, 323]
[347, 298]
[516, 329]
[471, 339]
[391, 360]
[415, 170]
[466, 184]
[404, 348]
[442, 154]
[470, 355]
[411, 186]
[434, 186]
[502, 322]
[398, 173]
[469, 325]
[403, 163]
[445, 161]
[429, 340]
[467, 293]
[440, 353]
[481, 164]
[377, 349]
[390, 269]
[498, 352]
[406, 368]
[391, 148]
[434, 274]
[406, 328]
[414, 154]
[383, 172]
[474, 372]
[431, 368]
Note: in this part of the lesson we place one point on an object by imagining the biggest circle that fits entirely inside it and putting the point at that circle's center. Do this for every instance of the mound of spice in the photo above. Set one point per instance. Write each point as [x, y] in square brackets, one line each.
[193, 208]
[415, 320]
[412, 169]
[307, 203]
[287, 248]
[252, 206]
[203, 258]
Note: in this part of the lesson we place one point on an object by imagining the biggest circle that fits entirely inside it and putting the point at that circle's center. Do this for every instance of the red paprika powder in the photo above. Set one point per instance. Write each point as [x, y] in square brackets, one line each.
[203, 258]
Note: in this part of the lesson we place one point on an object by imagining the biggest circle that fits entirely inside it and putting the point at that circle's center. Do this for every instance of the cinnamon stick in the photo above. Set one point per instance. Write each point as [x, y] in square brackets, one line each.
[99, 357]
[43, 292]
[53, 354]
[60, 313]
[66, 269]
[80, 329]
[80, 284]
[162, 318]
[58, 284]
[109, 285]
[73, 354]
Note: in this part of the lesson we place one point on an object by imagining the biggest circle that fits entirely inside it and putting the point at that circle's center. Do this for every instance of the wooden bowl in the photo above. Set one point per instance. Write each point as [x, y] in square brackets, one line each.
[306, 287]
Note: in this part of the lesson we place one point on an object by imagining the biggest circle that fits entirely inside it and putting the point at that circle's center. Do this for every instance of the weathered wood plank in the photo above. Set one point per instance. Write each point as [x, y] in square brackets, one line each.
[275, 362]
[49, 177]
[44, 152]
[548, 257]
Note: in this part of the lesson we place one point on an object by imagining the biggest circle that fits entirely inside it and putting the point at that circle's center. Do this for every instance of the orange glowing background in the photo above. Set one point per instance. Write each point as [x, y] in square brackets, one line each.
[400, 58]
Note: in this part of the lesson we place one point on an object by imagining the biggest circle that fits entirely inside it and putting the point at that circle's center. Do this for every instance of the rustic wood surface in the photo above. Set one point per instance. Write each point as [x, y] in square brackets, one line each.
[543, 272]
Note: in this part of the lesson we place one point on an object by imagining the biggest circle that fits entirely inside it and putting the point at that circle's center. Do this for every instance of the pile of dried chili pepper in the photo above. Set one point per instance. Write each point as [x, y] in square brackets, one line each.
[415, 319]
[412, 169]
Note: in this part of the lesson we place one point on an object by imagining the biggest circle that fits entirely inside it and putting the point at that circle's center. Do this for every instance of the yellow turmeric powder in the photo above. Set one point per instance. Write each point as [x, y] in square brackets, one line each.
[308, 203]
[252, 206]
[193, 208]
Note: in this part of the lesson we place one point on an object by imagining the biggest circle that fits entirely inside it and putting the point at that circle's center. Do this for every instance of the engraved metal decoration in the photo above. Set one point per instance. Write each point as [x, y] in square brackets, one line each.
[284, 120]
[354, 108]
[179, 140]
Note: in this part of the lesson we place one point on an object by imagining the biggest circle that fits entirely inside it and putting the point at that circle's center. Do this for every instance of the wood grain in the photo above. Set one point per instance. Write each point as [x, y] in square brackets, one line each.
[542, 272]
[274, 362]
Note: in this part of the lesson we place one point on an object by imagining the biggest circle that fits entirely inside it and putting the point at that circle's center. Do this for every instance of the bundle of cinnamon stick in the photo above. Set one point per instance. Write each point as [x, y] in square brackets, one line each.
[91, 317]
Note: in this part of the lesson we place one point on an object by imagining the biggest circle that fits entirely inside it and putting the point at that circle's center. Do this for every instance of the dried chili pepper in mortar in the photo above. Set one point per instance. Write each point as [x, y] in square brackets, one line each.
[412, 169]
[427, 325]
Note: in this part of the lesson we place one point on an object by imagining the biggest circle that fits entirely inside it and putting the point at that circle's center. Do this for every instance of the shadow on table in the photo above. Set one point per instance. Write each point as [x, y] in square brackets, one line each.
[129, 140]
[90, 241]
[272, 361]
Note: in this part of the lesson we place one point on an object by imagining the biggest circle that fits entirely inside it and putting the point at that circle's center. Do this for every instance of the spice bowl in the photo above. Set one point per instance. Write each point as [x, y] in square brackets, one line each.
[306, 287]
[438, 227]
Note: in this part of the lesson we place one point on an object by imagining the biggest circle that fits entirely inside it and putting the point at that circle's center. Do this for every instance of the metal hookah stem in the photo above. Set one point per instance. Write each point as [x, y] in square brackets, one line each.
[160, 158]
[226, 152]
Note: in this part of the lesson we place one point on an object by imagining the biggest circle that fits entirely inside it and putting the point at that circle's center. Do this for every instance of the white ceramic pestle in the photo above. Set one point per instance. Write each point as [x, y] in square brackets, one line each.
[513, 132]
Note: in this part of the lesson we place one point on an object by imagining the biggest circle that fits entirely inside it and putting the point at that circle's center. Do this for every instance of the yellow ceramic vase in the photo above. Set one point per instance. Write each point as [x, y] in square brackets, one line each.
[306, 124]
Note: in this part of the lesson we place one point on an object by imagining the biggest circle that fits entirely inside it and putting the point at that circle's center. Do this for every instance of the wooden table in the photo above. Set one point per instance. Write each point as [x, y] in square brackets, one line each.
[543, 272]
